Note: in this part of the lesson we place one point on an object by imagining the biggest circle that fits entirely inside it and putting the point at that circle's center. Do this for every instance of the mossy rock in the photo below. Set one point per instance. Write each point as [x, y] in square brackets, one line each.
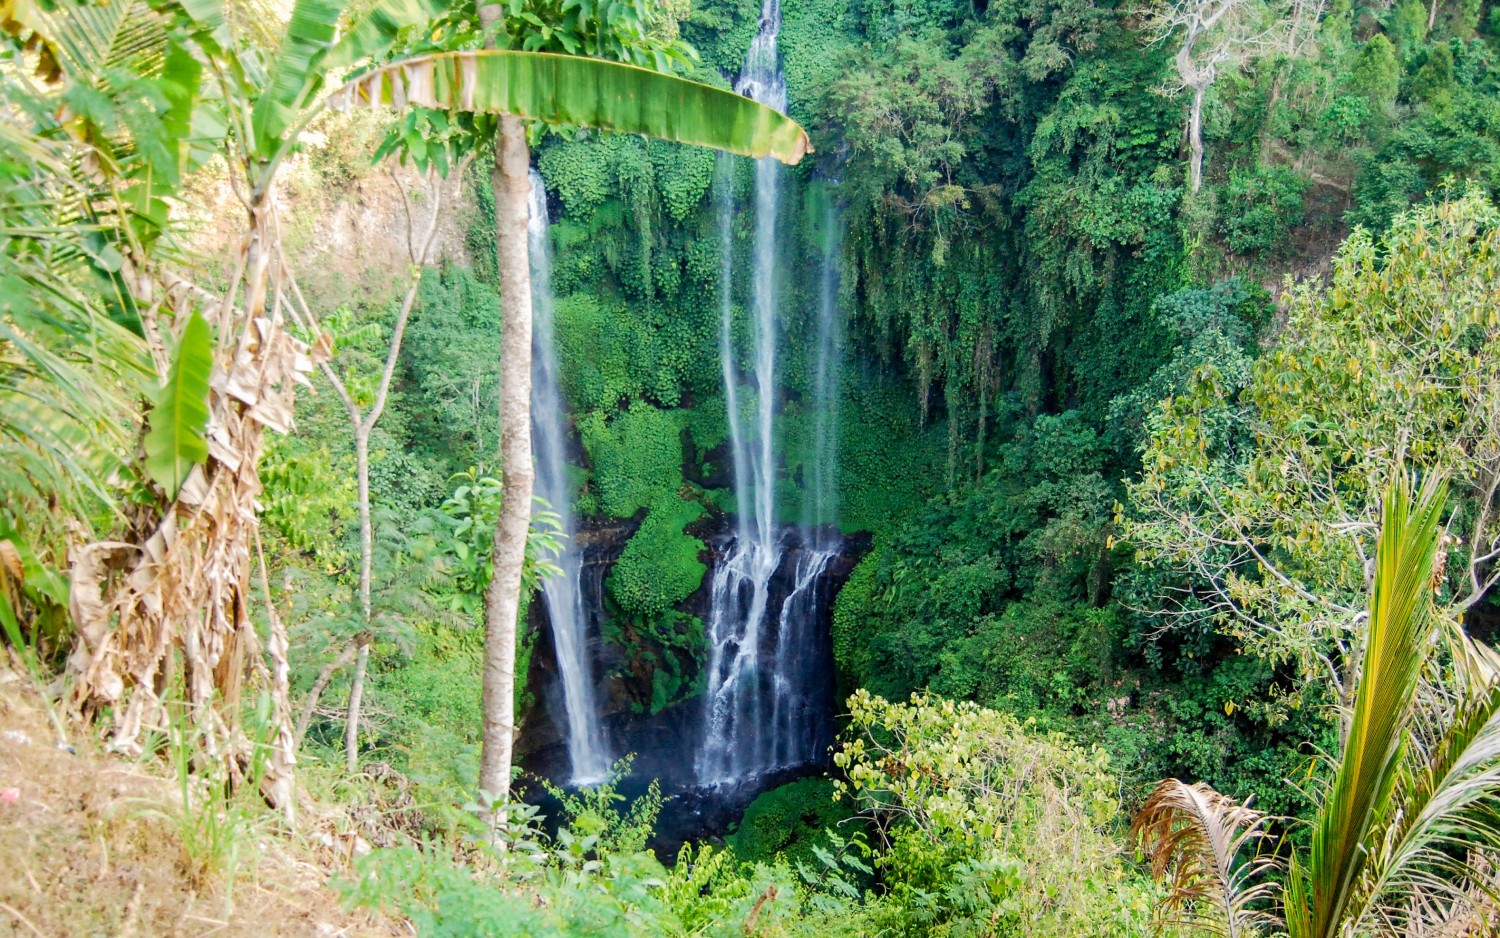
[789, 821]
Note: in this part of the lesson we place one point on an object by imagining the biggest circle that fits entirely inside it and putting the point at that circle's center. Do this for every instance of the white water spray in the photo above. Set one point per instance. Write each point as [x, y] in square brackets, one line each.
[761, 712]
[561, 592]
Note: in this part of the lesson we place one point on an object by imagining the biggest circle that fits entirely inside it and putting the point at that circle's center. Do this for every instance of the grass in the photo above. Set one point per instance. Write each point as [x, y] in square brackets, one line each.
[100, 844]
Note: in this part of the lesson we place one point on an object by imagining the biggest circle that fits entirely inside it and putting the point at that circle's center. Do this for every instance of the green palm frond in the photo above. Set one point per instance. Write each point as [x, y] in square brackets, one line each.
[65, 368]
[1327, 890]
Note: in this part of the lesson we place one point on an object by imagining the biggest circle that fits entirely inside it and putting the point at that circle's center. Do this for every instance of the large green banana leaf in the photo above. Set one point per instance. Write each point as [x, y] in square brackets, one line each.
[582, 92]
[175, 442]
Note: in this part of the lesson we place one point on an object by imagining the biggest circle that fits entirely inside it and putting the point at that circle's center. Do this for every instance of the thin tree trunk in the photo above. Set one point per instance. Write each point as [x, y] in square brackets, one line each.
[1195, 139]
[502, 599]
[420, 253]
[366, 534]
[356, 695]
[366, 549]
[1266, 130]
[315, 693]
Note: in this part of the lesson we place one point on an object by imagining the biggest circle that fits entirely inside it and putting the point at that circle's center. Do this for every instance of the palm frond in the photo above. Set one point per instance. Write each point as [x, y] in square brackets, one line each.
[1193, 837]
[1357, 808]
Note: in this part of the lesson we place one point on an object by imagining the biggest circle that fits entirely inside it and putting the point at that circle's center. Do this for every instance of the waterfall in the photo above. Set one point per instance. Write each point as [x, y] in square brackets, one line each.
[561, 592]
[761, 714]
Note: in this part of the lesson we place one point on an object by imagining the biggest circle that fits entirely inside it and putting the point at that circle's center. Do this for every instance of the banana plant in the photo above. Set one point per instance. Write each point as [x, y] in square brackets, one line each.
[1407, 835]
[216, 83]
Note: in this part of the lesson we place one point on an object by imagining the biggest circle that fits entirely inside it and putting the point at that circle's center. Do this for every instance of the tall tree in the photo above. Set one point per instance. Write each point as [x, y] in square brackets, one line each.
[1214, 36]
[421, 240]
[1260, 487]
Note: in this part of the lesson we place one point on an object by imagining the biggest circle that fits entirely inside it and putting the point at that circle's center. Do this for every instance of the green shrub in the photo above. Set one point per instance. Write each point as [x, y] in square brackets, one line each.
[1260, 208]
[659, 566]
[992, 826]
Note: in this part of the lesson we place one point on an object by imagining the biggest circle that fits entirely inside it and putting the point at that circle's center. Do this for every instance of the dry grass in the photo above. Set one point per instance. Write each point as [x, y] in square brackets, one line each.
[98, 845]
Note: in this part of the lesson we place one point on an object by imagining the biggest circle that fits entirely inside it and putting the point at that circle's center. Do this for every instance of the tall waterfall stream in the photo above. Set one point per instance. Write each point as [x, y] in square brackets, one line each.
[766, 711]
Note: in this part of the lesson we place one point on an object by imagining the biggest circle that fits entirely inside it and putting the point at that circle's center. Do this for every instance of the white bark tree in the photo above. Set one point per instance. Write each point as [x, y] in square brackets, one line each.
[1218, 36]
[511, 181]
[421, 246]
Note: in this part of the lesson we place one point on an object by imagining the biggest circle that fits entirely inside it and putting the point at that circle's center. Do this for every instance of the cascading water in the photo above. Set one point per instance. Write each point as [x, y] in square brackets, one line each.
[762, 713]
[561, 592]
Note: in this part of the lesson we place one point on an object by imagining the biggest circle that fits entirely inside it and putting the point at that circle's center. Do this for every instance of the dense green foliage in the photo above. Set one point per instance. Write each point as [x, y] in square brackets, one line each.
[1024, 278]
[1116, 448]
[977, 825]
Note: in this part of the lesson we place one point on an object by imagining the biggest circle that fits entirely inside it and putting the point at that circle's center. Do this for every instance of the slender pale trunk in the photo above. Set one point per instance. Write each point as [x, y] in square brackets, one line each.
[315, 693]
[420, 253]
[356, 697]
[1195, 139]
[502, 599]
[366, 552]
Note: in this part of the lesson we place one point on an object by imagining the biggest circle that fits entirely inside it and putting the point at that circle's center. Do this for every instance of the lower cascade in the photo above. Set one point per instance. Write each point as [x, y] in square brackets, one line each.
[767, 667]
[562, 592]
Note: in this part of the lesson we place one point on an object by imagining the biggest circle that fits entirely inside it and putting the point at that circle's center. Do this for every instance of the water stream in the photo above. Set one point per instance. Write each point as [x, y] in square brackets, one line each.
[587, 749]
[762, 713]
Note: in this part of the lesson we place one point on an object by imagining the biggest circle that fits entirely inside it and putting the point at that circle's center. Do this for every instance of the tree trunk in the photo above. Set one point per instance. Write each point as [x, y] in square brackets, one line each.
[1273, 100]
[502, 599]
[366, 550]
[366, 535]
[356, 696]
[1195, 139]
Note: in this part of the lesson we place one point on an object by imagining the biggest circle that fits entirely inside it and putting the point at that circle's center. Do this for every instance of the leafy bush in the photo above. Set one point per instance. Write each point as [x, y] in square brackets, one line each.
[987, 821]
[1261, 207]
[789, 822]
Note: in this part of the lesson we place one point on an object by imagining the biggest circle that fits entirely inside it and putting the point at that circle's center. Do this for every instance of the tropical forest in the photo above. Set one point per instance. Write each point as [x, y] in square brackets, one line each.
[767, 468]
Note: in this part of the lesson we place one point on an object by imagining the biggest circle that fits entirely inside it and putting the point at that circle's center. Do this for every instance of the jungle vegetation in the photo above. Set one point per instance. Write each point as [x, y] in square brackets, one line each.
[1169, 410]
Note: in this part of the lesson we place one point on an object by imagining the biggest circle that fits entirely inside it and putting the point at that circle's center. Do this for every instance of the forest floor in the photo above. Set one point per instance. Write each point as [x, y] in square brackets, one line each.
[97, 844]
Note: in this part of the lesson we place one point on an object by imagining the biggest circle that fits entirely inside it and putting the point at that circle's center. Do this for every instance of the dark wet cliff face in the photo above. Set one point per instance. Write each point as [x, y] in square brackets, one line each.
[666, 744]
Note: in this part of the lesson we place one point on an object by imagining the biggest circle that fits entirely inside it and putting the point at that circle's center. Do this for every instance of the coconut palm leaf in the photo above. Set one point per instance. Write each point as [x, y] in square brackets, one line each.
[575, 91]
[1326, 891]
[1193, 837]
[1444, 810]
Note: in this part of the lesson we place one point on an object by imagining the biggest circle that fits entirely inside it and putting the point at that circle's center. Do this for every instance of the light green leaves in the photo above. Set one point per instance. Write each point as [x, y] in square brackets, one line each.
[175, 443]
[582, 92]
[312, 47]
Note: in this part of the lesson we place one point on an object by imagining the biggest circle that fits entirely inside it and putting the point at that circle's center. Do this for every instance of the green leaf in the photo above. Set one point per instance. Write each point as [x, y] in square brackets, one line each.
[312, 48]
[377, 29]
[175, 443]
[1346, 831]
[295, 73]
[582, 92]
